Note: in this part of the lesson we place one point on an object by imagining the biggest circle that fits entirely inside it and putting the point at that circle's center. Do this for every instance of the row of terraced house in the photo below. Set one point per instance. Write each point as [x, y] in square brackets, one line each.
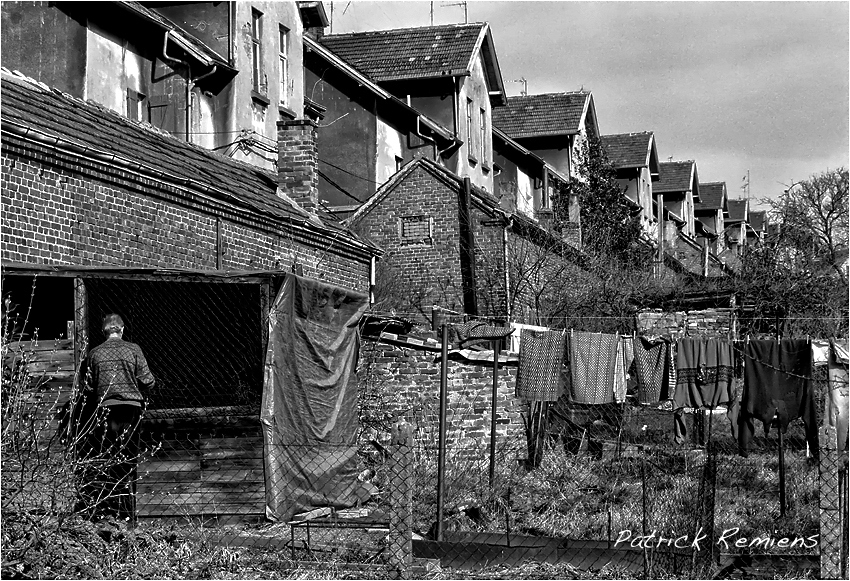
[259, 142]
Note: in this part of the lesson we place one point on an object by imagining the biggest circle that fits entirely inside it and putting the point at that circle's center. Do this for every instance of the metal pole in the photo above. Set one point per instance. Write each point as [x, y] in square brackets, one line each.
[495, 344]
[441, 451]
[781, 472]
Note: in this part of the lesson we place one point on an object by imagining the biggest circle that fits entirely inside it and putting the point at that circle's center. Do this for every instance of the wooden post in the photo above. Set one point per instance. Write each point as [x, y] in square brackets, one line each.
[400, 543]
[81, 321]
[493, 410]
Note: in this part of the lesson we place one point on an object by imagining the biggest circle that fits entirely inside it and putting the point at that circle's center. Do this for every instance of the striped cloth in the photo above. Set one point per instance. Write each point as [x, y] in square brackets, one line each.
[541, 357]
[477, 331]
[593, 359]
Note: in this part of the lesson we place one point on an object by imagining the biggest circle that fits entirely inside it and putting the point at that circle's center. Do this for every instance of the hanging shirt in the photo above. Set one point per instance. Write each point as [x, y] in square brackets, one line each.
[820, 352]
[517, 332]
[593, 358]
[704, 372]
[777, 383]
[541, 357]
[652, 367]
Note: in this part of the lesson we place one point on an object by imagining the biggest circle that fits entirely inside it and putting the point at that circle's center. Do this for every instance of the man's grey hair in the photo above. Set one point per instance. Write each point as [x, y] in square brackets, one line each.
[112, 323]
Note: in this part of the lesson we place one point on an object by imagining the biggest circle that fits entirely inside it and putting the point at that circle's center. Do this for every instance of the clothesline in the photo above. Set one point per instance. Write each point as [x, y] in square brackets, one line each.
[592, 317]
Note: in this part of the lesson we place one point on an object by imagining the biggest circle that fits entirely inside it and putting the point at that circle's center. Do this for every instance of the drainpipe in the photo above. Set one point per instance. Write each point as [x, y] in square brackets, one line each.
[166, 56]
[371, 281]
[508, 225]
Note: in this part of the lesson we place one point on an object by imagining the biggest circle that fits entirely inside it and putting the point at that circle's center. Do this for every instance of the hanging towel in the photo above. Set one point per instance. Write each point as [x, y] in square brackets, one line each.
[625, 356]
[651, 364]
[541, 356]
[838, 403]
[593, 360]
[777, 383]
[704, 371]
[820, 352]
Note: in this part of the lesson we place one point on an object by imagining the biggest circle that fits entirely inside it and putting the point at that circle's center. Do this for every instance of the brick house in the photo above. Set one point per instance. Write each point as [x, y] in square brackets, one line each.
[450, 243]
[634, 157]
[554, 126]
[711, 211]
[101, 214]
[366, 133]
[218, 74]
[678, 188]
[449, 73]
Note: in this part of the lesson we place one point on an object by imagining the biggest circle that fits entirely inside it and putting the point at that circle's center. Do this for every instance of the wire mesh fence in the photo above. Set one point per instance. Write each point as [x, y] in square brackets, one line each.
[599, 484]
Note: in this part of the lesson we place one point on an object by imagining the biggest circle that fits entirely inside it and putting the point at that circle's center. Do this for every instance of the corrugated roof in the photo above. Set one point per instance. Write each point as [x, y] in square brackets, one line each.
[711, 195]
[626, 150]
[737, 210]
[539, 115]
[32, 105]
[409, 53]
[675, 176]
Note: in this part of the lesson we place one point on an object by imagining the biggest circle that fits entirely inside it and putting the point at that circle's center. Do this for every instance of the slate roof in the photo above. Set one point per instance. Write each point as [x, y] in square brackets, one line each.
[737, 210]
[675, 176]
[409, 53]
[627, 150]
[540, 115]
[711, 196]
[84, 124]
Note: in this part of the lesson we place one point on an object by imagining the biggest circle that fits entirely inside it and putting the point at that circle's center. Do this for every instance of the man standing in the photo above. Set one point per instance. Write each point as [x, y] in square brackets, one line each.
[117, 376]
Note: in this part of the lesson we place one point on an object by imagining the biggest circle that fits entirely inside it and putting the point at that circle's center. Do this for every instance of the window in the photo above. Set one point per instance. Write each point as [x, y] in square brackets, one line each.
[416, 229]
[135, 104]
[482, 128]
[283, 60]
[399, 161]
[469, 127]
[257, 52]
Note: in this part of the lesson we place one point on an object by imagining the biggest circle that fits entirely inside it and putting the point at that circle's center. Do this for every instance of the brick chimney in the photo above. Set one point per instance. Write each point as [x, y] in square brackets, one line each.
[298, 162]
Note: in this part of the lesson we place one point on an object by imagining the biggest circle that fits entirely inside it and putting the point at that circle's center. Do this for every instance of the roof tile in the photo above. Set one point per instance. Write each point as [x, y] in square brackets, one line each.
[626, 150]
[711, 196]
[408, 53]
[539, 115]
[675, 176]
[88, 124]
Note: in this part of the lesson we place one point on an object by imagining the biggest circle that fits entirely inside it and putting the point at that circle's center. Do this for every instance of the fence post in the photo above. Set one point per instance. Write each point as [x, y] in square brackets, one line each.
[830, 513]
[400, 543]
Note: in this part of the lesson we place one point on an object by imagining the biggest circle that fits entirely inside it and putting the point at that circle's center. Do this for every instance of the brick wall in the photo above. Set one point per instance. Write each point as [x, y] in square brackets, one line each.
[415, 274]
[704, 323]
[58, 210]
[402, 383]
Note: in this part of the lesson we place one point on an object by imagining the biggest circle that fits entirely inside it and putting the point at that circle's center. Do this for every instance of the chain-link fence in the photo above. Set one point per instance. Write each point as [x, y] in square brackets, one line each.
[601, 486]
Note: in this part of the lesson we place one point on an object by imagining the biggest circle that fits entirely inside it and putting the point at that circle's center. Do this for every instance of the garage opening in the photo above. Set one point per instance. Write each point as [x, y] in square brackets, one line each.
[203, 340]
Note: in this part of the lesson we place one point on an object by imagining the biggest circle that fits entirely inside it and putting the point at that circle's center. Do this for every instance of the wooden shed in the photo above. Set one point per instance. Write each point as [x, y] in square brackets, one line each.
[204, 335]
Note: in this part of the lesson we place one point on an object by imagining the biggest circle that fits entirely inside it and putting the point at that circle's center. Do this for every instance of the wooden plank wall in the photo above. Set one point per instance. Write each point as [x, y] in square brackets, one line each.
[207, 466]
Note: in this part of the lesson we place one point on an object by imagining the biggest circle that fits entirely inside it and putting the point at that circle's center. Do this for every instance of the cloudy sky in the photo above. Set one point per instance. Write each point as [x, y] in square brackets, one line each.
[758, 86]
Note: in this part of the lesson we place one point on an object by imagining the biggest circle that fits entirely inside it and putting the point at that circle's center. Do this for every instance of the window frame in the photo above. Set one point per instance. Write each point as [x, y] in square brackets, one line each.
[469, 134]
[482, 130]
[257, 83]
[283, 64]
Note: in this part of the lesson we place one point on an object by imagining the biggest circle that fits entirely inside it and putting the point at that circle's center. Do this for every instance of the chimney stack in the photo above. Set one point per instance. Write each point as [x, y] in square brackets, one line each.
[298, 162]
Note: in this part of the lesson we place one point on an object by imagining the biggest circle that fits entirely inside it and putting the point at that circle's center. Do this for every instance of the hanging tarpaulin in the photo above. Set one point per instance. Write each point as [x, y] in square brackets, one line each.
[309, 408]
